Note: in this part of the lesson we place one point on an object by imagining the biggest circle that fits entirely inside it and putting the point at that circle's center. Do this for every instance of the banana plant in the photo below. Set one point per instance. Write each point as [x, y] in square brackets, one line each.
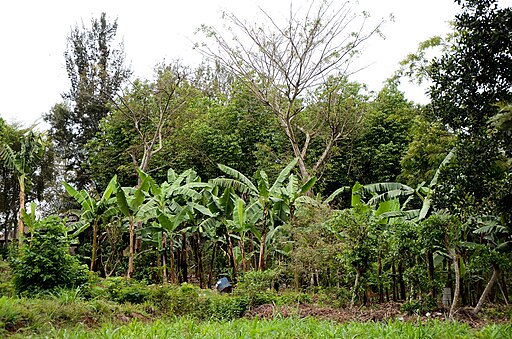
[23, 164]
[272, 199]
[129, 200]
[221, 203]
[168, 206]
[243, 220]
[94, 211]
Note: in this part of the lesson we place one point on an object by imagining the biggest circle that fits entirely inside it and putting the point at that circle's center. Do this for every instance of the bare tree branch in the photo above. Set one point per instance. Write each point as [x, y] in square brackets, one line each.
[284, 63]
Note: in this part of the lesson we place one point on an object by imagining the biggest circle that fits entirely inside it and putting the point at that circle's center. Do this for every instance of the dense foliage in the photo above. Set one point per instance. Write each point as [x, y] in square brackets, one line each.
[42, 262]
[273, 180]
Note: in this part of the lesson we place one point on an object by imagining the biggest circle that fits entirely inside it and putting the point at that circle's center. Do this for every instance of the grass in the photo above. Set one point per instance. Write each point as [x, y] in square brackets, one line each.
[277, 328]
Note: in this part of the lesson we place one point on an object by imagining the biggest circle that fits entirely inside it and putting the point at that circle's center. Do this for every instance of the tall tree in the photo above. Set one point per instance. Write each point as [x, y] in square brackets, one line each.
[282, 64]
[470, 78]
[144, 119]
[96, 69]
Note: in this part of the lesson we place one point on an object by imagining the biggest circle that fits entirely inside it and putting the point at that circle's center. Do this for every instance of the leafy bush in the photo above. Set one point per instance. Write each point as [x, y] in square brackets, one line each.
[419, 306]
[257, 281]
[226, 307]
[42, 263]
[190, 300]
[122, 290]
[289, 298]
[6, 286]
[334, 297]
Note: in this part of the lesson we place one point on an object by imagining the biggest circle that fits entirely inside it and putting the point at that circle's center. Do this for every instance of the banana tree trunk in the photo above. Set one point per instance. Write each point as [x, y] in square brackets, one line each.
[184, 264]
[431, 271]
[164, 258]
[231, 254]
[242, 251]
[261, 261]
[21, 226]
[356, 286]
[212, 264]
[129, 273]
[172, 263]
[94, 249]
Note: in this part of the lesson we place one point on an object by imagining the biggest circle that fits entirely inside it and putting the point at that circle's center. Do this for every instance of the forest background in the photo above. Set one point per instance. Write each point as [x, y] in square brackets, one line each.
[268, 157]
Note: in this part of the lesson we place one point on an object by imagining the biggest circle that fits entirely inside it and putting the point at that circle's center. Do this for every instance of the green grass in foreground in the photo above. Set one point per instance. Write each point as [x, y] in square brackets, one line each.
[280, 328]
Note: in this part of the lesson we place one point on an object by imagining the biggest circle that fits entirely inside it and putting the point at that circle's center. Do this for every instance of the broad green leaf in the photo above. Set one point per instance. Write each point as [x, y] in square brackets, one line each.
[283, 175]
[122, 202]
[238, 176]
[308, 185]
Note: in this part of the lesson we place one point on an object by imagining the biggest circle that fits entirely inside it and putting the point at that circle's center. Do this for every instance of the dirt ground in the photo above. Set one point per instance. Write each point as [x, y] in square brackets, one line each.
[383, 312]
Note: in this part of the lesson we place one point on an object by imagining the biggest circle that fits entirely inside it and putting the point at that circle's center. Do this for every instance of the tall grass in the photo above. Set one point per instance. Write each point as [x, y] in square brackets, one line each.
[281, 328]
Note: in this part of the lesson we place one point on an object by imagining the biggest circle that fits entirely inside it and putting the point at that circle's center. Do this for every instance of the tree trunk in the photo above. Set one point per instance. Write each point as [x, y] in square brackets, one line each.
[430, 259]
[403, 293]
[184, 265]
[129, 273]
[379, 272]
[172, 263]
[231, 254]
[242, 251]
[212, 264]
[6, 227]
[94, 246]
[199, 261]
[164, 258]
[395, 289]
[356, 286]
[456, 292]
[488, 288]
[21, 227]
[262, 241]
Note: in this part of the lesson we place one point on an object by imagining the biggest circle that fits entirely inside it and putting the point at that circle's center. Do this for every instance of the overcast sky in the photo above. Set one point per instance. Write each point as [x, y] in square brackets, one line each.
[33, 39]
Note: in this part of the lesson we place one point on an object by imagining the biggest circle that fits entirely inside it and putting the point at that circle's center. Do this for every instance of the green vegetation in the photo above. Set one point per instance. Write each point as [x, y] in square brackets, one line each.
[282, 328]
[312, 195]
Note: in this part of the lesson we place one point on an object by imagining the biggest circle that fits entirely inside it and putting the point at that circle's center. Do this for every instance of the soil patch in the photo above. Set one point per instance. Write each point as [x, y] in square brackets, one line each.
[383, 312]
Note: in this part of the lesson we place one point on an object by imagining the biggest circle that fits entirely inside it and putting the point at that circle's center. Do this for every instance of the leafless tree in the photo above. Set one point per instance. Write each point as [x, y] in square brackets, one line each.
[151, 107]
[283, 64]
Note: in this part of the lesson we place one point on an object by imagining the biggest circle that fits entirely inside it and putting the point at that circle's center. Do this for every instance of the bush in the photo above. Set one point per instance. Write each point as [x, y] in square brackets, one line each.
[122, 290]
[290, 298]
[227, 307]
[257, 281]
[6, 286]
[419, 306]
[190, 300]
[42, 263]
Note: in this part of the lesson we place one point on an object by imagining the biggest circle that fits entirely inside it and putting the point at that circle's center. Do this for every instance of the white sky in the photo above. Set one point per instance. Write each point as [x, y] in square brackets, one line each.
[33, 39]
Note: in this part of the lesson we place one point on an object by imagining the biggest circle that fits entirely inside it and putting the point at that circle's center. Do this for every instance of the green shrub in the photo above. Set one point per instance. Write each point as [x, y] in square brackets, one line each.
[257, 281]
[419, 306]
[6, 286]
[256, 287]
[43, 263]
[122, 290]
[290, 298]
[189, 300]
[334, 297]
[226, 307]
